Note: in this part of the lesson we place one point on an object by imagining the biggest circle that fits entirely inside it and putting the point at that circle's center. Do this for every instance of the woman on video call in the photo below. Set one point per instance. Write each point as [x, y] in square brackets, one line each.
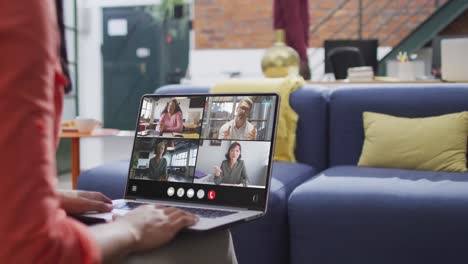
[232, 170]
[171, 117]
[158, 164]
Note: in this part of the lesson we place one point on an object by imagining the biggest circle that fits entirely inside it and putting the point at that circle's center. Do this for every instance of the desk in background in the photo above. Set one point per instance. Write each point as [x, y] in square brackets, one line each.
[75, 146]
[378, 79]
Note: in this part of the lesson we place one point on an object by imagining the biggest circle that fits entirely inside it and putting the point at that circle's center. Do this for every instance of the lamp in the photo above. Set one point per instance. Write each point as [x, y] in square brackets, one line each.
[280, 60]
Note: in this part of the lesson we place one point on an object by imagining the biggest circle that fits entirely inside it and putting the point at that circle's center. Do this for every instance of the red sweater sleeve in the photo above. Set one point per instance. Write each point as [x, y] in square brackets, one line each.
[33, 228]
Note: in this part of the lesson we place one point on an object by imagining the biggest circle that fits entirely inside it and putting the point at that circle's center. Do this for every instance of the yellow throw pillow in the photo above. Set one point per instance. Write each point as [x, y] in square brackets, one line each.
[436, 143]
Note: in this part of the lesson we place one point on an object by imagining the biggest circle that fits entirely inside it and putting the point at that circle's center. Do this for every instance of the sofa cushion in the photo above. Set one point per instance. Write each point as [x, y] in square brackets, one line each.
[347, 104]
[436, 143]
[349, 214]
[271, 233]
[109, 178]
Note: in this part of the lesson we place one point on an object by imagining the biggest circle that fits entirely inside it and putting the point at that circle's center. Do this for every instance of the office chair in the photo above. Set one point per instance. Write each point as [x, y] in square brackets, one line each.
[151, 127]
[342, 58]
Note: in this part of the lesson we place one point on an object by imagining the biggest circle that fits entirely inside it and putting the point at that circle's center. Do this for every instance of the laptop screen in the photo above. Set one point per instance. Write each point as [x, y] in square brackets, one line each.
[213, 149]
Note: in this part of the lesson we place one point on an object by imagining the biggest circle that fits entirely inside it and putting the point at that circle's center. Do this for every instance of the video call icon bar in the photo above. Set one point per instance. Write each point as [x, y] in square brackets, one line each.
[190, 193]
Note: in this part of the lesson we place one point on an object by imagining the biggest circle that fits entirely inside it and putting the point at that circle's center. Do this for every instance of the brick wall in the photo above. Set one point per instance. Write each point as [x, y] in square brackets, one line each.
[233, 24]
[247, 24]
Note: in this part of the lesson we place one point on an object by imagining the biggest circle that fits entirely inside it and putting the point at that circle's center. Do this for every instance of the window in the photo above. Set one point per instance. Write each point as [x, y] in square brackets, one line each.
[193, 157]
[179, 159]
[71, 34]
[146, 109]
[224, 107]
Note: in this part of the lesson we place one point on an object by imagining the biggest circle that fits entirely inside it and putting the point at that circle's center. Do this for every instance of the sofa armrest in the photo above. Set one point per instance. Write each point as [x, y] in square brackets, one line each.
[110, 179]
[310, 103]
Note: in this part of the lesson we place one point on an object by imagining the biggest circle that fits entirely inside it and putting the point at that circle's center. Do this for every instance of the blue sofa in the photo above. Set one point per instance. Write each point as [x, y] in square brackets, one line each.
[325, 209]
[350, 214]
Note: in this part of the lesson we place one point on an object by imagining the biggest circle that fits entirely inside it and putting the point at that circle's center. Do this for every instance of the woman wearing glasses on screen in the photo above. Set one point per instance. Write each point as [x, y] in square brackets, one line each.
[232, 169]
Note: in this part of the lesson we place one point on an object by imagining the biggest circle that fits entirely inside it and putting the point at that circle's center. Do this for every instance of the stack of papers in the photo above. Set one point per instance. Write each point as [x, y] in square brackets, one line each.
[364, 73]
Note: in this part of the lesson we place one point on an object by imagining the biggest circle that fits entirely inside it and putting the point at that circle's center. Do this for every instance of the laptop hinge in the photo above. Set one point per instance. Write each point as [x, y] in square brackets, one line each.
[194, 205]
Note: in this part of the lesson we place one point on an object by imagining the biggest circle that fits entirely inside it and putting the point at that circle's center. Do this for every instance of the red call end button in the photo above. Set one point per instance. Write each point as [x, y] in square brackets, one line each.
[211, 194]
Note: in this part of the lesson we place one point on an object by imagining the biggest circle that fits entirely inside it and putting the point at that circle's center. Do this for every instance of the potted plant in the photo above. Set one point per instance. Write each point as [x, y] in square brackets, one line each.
[167, 10]
[172, 8]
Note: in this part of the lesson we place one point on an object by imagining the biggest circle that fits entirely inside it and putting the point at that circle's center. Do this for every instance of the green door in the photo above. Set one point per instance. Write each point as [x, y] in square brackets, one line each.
[140, 53]
[131, 43]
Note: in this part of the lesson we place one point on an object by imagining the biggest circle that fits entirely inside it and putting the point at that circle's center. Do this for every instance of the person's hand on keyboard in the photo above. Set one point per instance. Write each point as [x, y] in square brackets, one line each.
[153, 226]
[78, 202]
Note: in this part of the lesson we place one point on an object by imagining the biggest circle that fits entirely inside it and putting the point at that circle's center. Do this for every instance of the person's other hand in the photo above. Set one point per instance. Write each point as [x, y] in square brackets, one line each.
[252, 135]
[161, 127]
[153, 226]
[227, 133]
[217, 170]
[78, 202]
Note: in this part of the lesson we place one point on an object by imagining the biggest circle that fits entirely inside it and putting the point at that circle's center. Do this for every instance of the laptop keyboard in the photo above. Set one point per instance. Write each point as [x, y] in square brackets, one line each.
[206, 213]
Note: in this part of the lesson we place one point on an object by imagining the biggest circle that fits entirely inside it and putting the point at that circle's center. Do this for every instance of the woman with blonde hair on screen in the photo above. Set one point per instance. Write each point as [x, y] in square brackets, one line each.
[158, 164]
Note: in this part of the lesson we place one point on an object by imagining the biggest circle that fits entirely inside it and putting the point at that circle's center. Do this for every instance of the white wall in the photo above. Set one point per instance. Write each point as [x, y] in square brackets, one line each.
[209, 66]
[254, 155]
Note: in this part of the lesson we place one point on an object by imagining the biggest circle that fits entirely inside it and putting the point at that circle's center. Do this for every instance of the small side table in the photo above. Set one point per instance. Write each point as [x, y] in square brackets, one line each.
[75, 147]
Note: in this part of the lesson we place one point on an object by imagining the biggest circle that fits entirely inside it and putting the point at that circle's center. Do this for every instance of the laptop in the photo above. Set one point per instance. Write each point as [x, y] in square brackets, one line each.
[185, 161]
[454, 59]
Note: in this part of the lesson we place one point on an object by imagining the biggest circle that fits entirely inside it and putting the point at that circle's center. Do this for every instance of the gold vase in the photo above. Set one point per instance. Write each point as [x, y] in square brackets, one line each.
[280, 60]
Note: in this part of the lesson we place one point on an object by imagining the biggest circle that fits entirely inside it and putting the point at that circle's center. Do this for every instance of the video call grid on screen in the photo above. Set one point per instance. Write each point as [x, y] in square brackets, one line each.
[192, 139]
